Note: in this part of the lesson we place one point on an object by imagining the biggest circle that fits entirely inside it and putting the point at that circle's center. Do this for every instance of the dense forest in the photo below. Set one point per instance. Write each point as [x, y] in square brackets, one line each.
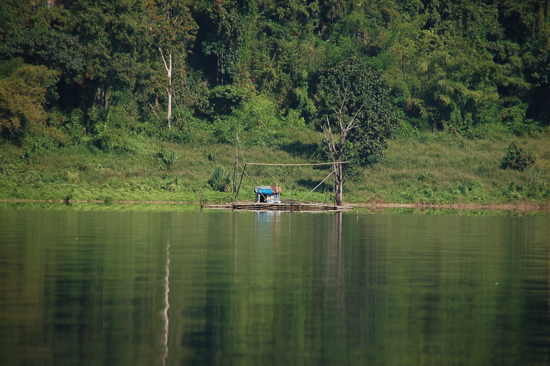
[99, 70]
[145, 99]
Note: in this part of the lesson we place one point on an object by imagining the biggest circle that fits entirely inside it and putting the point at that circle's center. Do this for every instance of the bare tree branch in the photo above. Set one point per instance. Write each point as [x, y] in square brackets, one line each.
[169, 88]
[168, 69]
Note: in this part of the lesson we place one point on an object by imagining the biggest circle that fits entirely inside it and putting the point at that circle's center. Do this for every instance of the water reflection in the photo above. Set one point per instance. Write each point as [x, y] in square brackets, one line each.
[272, 288]
[166, 300]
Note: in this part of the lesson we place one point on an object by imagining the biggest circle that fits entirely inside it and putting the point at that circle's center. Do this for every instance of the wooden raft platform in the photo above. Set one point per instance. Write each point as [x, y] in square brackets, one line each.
[292, 206]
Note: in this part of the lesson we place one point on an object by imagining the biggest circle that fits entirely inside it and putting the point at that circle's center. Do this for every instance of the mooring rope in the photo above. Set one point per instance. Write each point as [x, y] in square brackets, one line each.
[317, 186]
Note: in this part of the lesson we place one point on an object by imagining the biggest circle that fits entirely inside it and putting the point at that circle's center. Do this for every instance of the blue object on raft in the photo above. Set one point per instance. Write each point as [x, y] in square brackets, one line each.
[265, 191]
[267, 194]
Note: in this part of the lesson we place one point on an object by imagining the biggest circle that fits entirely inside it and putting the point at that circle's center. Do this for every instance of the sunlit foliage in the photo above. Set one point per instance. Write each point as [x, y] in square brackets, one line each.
[23, 91]
[455, 66]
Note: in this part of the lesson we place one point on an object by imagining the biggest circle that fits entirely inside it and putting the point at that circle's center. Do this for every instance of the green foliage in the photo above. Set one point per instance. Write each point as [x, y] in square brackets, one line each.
[434, 168]
[110, 140]
[175, 134]
[352, 170]
[166, 158]
[47, 138]
[225, 99]
[516, 158]
[256, 121]
[23, 90]
[107, 137]
[452, 66]
[48, 47]
[406, 129]
[355, 97]
[220, 181]
[191, 93]
[123, 112]
[74, 127]
[457, 70]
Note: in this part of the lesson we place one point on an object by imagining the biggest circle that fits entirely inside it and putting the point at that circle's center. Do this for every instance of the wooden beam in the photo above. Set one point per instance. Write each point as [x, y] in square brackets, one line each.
[343, 162]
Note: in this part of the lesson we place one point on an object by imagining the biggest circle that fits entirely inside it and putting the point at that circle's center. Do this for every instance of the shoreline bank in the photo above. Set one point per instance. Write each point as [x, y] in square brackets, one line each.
[367, 205]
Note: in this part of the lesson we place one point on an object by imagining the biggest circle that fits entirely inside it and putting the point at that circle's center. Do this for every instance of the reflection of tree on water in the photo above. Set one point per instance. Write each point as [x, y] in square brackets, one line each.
[278, 295]
[235, 238]
[230, 301]
[351, 314]
[336, 295]
[333, 277]
[166, 300]
[203, 298]
[535, 303]
[267, 228]
[327, 289]
[335, 289]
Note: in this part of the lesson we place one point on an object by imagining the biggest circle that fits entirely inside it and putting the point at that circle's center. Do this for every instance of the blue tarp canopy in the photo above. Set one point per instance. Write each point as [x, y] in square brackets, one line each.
[267, 189]
[267, 194]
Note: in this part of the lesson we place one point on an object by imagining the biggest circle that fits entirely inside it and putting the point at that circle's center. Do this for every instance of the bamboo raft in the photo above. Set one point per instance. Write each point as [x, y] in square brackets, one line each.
[288, 206]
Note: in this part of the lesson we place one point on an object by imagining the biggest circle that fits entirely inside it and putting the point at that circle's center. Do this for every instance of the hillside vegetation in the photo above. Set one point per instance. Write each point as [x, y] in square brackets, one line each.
[143, 99]
[422, 167]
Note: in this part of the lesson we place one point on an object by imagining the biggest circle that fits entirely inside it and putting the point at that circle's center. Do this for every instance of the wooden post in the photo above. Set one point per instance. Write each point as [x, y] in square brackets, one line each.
[239, 187]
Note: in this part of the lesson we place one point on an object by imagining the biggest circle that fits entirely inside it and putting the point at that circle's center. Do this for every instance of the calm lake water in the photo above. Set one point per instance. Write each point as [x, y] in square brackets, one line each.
[224, 288]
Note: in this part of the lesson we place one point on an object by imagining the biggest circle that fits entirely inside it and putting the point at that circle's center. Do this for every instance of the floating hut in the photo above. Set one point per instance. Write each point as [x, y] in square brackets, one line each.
[268, 198]
[268, 194]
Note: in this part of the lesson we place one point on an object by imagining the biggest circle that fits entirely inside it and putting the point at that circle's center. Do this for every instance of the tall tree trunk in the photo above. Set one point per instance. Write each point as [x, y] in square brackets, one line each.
[168, 67]
[170, 104]
[336, 154]
[338, 182]
[101, 97]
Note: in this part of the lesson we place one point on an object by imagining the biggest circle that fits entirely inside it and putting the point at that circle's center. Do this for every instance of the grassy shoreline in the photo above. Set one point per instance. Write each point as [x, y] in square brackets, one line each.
[419, 168]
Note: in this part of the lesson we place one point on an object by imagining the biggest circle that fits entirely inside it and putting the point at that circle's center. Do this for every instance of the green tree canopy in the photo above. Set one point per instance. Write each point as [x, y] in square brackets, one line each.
[355, 114]
[355, 102]
[454, 65]
[23, 91]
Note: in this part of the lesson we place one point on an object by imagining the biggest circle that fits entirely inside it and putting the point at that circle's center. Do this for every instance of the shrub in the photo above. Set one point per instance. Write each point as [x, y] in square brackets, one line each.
[256, 121]
[166, 158]
[516, 158]
[175, 134]
[220, 181]
[111, 140]
[225, 99]
[74, 128]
